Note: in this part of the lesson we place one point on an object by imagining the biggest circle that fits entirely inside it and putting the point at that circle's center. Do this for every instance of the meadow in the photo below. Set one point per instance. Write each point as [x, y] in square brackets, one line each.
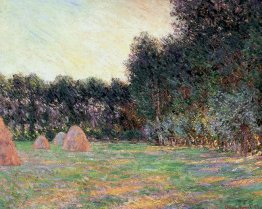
[131, 176]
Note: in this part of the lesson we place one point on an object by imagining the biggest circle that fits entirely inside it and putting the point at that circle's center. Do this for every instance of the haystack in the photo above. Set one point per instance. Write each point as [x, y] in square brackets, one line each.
[8, 153]
[76, 140]
[41, 143]
[59, 138]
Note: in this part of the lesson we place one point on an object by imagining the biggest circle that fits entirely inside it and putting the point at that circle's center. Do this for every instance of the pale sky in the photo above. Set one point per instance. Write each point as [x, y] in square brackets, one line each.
[80, 38]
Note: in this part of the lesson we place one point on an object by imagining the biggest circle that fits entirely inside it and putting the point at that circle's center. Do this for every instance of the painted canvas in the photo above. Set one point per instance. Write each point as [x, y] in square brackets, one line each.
[130, 104]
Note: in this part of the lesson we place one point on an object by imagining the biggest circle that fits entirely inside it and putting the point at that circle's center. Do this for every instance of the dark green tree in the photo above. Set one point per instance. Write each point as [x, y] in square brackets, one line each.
[148, 80]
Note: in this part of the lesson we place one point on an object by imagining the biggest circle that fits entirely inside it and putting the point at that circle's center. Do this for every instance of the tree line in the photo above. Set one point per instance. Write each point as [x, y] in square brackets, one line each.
[31, 106]
[203, 85]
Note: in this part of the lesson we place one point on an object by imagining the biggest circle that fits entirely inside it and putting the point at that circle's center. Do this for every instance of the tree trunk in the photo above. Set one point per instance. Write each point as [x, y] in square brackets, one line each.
[246, 138]
[158, 115]
[158, 131]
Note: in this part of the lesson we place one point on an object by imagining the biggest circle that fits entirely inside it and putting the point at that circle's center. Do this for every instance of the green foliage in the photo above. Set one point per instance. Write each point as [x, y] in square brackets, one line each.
[146, 74]
[31, 106]
[131, 135]
[210, 74]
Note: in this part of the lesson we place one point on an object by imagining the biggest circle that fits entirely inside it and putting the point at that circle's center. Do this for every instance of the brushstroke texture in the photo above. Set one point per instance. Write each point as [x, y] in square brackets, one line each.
[80, 38]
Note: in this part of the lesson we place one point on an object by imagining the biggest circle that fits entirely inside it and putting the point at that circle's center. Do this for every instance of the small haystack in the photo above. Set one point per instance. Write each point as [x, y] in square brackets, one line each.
[8, 153]
[76, 140]
[59, 138]
[41, 143]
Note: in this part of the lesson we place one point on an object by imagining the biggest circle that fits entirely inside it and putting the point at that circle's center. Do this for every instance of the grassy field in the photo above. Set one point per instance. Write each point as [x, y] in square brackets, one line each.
[131, 176]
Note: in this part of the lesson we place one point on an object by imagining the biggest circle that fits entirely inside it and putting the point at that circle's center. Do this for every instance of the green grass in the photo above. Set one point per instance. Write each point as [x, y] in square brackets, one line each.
[127, 175]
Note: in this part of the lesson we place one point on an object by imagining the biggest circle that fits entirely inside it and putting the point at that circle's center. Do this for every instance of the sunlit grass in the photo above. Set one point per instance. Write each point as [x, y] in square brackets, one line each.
[127, 175]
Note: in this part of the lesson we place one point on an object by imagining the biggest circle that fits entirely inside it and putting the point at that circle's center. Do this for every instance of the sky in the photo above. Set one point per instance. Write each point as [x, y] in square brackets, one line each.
[79, 38]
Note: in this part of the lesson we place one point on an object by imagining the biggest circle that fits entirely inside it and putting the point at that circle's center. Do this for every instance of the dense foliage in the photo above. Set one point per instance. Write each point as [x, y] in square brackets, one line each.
[203, 86]
[31, 106]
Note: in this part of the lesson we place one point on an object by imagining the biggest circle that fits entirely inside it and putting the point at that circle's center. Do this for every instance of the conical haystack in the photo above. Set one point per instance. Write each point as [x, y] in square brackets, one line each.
[76, 140]
[41, 143]
[8, 153]
[59, 138]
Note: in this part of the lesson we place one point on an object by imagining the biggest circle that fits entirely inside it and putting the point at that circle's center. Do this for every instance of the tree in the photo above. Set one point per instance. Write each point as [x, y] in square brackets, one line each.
[36, 89]
[148, 80]
[63, 90]
[222, 41]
